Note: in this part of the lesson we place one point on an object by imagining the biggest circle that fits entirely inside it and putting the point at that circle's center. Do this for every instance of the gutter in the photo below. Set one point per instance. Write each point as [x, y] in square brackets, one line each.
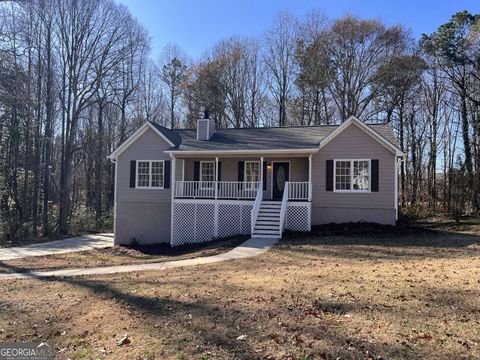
[227, 152]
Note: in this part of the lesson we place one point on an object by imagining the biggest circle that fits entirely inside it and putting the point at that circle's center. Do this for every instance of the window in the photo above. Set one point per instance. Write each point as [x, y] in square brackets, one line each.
[252, 173]
[361, 175]
[150, 174]
[207, 173]
[352, 175]
[342, 175]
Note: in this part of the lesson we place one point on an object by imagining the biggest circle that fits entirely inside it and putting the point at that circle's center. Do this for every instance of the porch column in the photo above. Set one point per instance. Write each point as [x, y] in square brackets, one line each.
[216, 177]
[172, 188]
[261, 173]
[310, 177]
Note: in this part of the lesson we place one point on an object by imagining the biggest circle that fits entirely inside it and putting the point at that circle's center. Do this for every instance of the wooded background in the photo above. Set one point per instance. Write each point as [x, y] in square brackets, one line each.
[77, 78]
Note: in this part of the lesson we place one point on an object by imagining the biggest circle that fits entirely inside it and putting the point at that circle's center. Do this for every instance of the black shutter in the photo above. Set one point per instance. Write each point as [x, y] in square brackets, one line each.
[241, 169]
[133, 170]
[219, 171]
[264, 175]
[166, 176]
[329, 174]
[375, 175]
[196, 171]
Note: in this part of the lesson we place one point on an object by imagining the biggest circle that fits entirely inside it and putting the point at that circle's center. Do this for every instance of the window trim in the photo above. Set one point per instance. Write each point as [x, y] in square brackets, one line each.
[248, 184]
[202, 186]
[351, 176]
[149, 187]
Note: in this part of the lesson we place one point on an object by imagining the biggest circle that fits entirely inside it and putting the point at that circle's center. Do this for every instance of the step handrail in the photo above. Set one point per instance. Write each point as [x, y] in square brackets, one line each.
[256, 207]
[283, 209]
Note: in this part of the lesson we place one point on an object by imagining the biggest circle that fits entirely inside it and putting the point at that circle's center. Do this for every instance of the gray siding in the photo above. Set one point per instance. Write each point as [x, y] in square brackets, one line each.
[329, 206]
[142, 214]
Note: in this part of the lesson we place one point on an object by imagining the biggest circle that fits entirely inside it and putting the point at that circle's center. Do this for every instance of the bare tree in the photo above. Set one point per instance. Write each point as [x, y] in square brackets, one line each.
[172, 67]
[280, 44]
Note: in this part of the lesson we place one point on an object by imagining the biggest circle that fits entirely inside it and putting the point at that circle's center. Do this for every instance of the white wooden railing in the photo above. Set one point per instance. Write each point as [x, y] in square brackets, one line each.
[237, 189]
[214, 189]
[256, 209]
[298, 190]
[283, 209]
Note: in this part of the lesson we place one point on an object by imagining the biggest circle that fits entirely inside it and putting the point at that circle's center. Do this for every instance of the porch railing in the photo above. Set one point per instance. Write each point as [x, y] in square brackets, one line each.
[283, 208]
[298, 190]
[214, 189]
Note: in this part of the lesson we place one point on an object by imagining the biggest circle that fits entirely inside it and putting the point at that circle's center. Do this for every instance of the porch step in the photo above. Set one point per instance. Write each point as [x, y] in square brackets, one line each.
[265, 232]
[268, 216]
[268, 220]
[269, 212]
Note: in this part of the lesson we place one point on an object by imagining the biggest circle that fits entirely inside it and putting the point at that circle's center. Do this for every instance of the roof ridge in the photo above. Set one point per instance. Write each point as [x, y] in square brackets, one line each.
[280, 127]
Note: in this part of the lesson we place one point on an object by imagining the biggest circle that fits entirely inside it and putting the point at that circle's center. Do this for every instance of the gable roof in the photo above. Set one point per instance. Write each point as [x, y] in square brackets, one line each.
[275, 139]
[140, 131]
[387, 139]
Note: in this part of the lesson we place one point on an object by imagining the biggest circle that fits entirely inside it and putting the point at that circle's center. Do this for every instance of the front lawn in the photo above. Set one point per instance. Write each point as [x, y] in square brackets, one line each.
[404, 294]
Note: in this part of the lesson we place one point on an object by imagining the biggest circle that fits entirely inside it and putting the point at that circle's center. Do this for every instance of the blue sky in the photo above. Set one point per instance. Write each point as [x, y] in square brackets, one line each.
[198, 25]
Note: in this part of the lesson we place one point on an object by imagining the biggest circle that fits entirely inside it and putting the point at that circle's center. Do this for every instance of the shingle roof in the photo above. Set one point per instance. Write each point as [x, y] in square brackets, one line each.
[267, 138]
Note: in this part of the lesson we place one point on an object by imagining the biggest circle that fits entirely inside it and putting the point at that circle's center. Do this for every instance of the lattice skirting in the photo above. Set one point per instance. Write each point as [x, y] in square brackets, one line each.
[203, 220]
[299, 216]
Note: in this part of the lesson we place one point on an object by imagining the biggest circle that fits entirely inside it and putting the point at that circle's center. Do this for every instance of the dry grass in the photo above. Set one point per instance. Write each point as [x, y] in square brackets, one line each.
[410, 295]
[118, 255]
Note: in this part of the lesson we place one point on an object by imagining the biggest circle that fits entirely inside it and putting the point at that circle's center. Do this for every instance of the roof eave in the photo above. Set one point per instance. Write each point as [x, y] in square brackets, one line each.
[241, 152]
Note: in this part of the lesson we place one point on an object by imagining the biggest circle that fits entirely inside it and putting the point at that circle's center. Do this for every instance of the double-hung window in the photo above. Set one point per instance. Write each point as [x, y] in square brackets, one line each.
[150, 174]
[207, 174]
[352, 175]
[252, 174]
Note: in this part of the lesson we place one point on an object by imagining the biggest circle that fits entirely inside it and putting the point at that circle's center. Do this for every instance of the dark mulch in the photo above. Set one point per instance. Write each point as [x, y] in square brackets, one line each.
[361, 229]
[167, 250]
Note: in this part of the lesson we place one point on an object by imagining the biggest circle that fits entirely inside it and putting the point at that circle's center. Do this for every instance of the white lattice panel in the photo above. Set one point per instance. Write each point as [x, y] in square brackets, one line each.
[246, 219]
[229, 219]
[298, 217]
[200, 220]
[205, 218]
[183, 223]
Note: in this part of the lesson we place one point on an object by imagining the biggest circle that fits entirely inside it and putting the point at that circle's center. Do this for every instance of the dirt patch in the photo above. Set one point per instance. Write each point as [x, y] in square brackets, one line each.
[119, 255]
[329, 297]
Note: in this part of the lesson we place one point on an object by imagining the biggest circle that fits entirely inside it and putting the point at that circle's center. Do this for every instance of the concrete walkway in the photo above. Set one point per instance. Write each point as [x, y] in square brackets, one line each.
[79, 243]
[249, 248]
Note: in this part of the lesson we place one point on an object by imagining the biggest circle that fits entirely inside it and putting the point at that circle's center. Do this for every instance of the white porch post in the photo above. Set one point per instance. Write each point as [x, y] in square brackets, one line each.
[216, 178]
[172, 189]
[310, 177]
[261, 174]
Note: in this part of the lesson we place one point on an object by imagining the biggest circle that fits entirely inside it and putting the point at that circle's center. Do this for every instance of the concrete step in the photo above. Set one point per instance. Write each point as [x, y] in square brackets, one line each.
[263, 236]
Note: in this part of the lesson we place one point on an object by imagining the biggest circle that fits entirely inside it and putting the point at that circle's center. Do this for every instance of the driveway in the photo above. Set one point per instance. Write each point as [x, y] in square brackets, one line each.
[78, 243]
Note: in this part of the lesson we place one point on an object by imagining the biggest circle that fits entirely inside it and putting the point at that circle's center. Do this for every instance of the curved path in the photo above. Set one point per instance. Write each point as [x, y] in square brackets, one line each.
[249, 248]
[78, 243]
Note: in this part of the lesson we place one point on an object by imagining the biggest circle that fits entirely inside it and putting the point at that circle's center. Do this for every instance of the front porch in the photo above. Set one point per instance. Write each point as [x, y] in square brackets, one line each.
[239, 178]
[217, 197]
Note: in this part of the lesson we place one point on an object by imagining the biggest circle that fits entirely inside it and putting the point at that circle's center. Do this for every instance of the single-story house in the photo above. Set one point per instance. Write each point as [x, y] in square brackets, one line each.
[193, 185]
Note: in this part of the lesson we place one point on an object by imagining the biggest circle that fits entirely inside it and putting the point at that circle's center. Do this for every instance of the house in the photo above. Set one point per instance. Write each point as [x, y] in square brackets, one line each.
[194, 185]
